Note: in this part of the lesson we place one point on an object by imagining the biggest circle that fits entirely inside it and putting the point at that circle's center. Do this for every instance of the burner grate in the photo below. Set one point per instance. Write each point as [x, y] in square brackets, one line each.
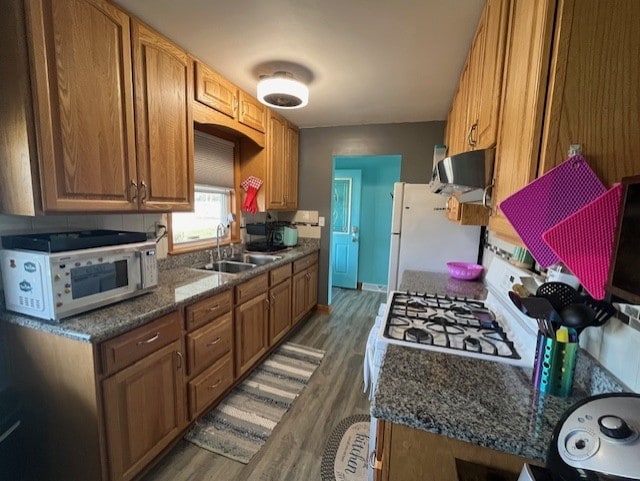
[450, 323]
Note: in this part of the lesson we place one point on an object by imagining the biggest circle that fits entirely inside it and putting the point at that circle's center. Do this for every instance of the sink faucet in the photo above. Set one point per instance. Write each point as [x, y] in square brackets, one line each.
[219, 229]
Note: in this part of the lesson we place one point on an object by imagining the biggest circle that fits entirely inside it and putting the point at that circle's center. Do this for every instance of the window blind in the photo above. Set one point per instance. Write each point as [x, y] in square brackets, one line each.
[213, 159]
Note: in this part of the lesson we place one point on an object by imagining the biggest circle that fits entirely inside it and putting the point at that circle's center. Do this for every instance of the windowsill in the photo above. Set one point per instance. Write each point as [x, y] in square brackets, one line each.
[199, 246]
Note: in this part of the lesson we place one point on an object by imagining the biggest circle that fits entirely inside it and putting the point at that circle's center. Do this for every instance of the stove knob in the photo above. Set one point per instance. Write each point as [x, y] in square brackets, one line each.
[615, 427]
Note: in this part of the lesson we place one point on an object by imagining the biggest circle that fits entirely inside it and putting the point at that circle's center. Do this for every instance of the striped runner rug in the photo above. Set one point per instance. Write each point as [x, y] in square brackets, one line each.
[240, 425]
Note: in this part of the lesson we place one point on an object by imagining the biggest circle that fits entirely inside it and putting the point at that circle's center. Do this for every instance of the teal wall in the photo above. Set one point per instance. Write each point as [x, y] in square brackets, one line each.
[379, 172]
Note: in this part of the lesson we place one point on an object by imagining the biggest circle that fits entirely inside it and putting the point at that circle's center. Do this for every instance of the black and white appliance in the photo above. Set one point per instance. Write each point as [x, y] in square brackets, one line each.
[492, 329]
[597, 439]
[56, 275]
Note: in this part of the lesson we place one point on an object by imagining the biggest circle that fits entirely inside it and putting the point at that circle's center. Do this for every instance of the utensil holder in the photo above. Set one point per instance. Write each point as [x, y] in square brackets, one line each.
[554, 366]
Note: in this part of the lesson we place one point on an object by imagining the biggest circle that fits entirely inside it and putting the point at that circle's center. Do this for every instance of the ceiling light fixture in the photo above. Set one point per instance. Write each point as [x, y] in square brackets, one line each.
[282, 91]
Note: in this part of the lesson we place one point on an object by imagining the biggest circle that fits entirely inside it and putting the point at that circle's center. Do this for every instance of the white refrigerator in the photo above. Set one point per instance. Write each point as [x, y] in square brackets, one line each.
[422, 238]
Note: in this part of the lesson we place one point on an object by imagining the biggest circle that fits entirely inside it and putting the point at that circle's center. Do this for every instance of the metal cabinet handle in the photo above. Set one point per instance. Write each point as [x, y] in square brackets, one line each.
[267, 302]
[133, 190]
[143, 195]
[179, 359]
[214, 342]
[150, 340]
[214, 308]
[215, 385]
[472, 142]
[485, 195]
[372, 459]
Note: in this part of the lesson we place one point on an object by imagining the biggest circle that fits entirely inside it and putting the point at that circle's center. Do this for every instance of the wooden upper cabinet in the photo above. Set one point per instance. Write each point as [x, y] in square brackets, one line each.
[567, 83]
[494, 38]
[292, 146]
[275, 169]
[163, 86]
[217, 92]
[81, 78]
[525, 80]
[593, 95]
[251, 112]
[282, 164]
[473, 120]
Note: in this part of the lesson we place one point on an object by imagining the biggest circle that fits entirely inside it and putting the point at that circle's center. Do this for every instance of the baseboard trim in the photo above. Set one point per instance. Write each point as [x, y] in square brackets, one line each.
[324, 309]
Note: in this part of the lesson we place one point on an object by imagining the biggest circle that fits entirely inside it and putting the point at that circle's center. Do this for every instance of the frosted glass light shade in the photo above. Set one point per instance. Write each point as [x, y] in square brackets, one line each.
[283, 92]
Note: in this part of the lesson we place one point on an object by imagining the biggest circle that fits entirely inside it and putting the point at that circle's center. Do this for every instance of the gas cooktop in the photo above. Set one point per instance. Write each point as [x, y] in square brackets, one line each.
[447, 324]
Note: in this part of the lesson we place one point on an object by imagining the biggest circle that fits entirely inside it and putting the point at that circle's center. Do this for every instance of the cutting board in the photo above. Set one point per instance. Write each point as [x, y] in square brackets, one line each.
[548, 200]
[584, 241]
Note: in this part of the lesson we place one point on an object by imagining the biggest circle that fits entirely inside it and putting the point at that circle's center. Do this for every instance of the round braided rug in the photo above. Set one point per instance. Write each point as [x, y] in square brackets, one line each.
[345, 456]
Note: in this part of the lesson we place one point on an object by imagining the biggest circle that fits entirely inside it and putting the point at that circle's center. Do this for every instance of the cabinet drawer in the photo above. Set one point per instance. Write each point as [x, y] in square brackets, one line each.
[210, 385]
[276, 276]
[134, 345]
[302, 264]
[209, 343]
[201, 312]
[250, 289]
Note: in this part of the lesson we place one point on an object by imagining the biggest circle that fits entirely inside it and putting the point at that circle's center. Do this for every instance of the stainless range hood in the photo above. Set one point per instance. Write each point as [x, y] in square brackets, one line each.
[463, 172]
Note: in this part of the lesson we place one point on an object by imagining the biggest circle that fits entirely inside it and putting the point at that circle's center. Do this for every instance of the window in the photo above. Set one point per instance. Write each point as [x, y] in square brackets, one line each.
[214, 161]
[211, 209]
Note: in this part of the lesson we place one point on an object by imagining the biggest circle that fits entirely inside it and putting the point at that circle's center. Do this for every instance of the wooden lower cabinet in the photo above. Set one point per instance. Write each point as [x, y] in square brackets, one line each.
[305, 292]
[210, 385]
[279, 311]
[144, 410]
[251, 332]
[408, 454]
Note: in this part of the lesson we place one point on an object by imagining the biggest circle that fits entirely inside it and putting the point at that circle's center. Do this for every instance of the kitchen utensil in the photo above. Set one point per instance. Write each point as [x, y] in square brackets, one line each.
[517, 301]
[558, 294]
[577, 316]
[548, 200]
[540, 308]
[597, 439]
[464, 270]
[602, 310]
[584, 240]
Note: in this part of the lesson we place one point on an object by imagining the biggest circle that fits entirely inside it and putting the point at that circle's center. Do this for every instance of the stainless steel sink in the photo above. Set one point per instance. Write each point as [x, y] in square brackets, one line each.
[230, 267]
[257, 259]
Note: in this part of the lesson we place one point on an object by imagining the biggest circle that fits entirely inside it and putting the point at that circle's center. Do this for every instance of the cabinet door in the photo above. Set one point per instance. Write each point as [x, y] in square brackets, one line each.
[163, 86]
[312, 287]
[291, 168]
[144, 410]
[217, 92]
[275, 162]
[81, 63]
[525, 82]
[593, 95]
[299, 296]
[279, 311]
[252, 332]
[251, 112]
[494, 24]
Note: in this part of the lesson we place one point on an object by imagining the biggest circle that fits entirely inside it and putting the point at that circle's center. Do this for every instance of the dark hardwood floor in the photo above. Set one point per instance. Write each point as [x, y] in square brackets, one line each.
[294, 449]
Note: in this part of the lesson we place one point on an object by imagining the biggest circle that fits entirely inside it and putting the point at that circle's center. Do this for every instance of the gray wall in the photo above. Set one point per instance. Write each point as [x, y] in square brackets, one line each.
[414, 141]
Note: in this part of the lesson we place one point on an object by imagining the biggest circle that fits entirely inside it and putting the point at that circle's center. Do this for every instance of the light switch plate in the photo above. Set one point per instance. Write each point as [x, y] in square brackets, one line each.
[321, 221]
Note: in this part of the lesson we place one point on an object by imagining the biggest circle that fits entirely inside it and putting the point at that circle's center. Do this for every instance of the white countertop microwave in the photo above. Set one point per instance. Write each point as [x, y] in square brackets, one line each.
[55, 285]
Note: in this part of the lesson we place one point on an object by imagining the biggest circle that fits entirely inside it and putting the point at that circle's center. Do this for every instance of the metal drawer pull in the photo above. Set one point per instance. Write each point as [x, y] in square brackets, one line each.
[216, 384]
[150, 340]
[214, 308]
[214, 342]
[372, 459]
[180, 358]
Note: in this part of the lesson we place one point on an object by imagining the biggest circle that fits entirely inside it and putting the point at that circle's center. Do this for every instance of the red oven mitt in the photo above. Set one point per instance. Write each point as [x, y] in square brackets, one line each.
[251, 185]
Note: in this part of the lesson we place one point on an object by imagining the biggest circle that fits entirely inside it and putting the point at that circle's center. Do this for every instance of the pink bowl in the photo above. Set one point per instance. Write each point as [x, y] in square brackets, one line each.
[464, 270]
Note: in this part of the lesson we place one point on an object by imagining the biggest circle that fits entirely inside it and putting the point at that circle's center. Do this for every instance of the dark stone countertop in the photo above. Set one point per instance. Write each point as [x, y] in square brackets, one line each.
[177, 286]
[481, 402]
